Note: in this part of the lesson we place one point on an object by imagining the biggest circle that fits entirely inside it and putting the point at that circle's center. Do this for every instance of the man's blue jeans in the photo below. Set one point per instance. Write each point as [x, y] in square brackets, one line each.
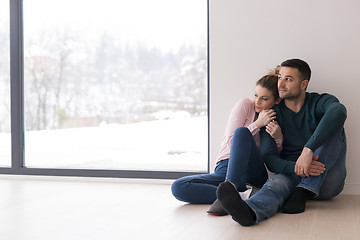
[245, 165]
[279, 188]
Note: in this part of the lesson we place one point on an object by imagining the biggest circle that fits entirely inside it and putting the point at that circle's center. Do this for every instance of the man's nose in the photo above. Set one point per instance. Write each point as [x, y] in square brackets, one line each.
[280, 83]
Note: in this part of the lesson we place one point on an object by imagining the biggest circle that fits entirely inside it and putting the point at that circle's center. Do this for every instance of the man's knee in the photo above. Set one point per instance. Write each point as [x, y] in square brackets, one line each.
[333, 148]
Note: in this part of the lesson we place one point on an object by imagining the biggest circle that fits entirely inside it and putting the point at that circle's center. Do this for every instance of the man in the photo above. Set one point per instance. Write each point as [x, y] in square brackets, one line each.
[312, 162]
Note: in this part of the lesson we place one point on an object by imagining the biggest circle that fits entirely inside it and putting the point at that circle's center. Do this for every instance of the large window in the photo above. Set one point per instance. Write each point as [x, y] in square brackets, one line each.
[115, 84]
[5, 137]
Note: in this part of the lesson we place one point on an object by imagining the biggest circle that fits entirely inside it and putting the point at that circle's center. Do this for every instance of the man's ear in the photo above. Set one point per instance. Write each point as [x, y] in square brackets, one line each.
[304, 84]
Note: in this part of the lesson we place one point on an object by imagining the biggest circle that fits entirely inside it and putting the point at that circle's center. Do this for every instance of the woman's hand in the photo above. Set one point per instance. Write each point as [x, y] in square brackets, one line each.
[274, 130]
[265, 117]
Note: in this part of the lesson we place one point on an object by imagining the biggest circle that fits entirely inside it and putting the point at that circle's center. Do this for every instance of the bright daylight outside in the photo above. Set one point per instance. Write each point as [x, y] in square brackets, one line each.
[116, 84]
[5, 137]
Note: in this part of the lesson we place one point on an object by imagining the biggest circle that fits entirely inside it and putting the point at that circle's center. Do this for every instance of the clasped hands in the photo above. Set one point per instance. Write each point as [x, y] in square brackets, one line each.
[307, 165]
[266, 119]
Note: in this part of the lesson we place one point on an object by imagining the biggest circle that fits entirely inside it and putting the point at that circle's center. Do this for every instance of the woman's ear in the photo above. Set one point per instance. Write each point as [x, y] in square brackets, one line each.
[278, 100]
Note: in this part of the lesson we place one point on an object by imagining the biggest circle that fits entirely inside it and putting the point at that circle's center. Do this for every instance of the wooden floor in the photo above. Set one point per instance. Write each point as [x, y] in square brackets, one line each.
[87, 208]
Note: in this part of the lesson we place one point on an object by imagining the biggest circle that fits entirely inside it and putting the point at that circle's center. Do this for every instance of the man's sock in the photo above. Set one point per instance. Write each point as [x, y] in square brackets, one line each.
[296, 203]
[231, 201]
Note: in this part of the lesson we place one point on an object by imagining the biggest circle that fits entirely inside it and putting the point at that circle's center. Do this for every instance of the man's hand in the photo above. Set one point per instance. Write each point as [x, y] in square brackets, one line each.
[316, 168]
[303, 163]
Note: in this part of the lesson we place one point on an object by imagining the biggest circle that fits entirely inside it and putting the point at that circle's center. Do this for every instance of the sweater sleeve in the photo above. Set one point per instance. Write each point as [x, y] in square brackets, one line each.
[253, 128]
[271, 156]
[239, 115]
[333, 115]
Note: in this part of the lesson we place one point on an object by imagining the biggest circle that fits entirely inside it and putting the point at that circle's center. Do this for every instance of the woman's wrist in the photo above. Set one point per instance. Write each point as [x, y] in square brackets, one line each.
[257, 123]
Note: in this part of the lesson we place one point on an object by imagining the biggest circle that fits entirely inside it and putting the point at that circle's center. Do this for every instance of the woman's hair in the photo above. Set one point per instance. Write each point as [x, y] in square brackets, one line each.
[269, 81]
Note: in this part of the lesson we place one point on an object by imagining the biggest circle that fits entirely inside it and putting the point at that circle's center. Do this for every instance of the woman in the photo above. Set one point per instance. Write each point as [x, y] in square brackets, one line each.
[239, 160]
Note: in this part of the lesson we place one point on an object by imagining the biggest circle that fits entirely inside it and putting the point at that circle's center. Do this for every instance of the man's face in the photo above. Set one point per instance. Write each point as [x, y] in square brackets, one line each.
[290, 84]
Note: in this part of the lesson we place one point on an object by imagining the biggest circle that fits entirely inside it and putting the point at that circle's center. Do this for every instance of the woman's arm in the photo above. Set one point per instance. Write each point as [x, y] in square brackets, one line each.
[239, 115]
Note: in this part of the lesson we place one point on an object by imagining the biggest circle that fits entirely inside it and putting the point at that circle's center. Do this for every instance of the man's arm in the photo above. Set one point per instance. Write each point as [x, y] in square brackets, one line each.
[271, 156]
[332, 120]
[277, 164]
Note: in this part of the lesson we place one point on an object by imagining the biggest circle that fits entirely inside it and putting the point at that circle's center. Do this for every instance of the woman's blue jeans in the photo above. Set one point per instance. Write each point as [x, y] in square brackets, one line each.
[279, 188]
[245, 165]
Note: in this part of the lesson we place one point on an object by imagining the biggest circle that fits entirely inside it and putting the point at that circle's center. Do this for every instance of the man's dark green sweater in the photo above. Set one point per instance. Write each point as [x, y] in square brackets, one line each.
[320, 118]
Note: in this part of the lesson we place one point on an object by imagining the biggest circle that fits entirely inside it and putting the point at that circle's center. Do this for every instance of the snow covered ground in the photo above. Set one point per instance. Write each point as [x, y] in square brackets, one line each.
[166, 145]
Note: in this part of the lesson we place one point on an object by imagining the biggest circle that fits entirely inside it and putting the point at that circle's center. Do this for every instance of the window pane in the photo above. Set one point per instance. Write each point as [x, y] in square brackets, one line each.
[116, 84]
[5, 136]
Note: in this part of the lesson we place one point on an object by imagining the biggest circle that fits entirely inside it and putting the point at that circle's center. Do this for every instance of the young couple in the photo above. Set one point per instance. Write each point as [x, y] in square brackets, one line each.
[305, 147]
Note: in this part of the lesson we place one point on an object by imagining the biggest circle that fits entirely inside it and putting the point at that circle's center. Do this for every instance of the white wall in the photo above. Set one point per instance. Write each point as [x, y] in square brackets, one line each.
[249, 37]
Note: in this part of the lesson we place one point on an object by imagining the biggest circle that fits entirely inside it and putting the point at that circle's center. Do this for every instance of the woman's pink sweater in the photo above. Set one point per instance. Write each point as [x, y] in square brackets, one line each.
[242, 115]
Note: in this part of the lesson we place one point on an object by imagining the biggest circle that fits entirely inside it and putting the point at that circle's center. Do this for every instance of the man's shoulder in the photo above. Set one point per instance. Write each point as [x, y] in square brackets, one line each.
[319, 104]
[315, 97]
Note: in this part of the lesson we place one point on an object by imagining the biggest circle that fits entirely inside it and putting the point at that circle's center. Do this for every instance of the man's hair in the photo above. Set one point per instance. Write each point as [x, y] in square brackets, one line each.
[300, 65]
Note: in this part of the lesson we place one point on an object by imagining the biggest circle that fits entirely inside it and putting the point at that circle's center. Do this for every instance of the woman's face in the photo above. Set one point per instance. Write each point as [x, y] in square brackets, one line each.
[263, 99]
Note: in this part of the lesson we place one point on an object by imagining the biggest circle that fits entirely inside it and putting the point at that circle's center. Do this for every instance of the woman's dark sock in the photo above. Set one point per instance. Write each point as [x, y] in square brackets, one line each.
[231, 201]
[297, 201]
[216, 209]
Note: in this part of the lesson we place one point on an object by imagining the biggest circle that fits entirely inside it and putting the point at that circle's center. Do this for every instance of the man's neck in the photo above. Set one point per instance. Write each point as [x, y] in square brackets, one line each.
[295, 104]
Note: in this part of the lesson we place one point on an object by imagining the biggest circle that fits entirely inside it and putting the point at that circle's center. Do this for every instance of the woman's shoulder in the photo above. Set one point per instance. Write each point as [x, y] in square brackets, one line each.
[245, 102]
[244, 105]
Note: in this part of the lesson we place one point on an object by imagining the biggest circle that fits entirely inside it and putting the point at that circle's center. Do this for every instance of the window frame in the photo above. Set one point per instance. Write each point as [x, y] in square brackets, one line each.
[17, 115]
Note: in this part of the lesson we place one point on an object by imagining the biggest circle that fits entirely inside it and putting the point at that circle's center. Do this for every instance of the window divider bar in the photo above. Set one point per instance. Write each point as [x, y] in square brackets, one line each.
[208, 82]
[17, 79]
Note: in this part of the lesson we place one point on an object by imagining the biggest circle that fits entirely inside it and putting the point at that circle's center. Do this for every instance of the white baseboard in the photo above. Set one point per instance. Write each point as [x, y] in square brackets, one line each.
[349, 188]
